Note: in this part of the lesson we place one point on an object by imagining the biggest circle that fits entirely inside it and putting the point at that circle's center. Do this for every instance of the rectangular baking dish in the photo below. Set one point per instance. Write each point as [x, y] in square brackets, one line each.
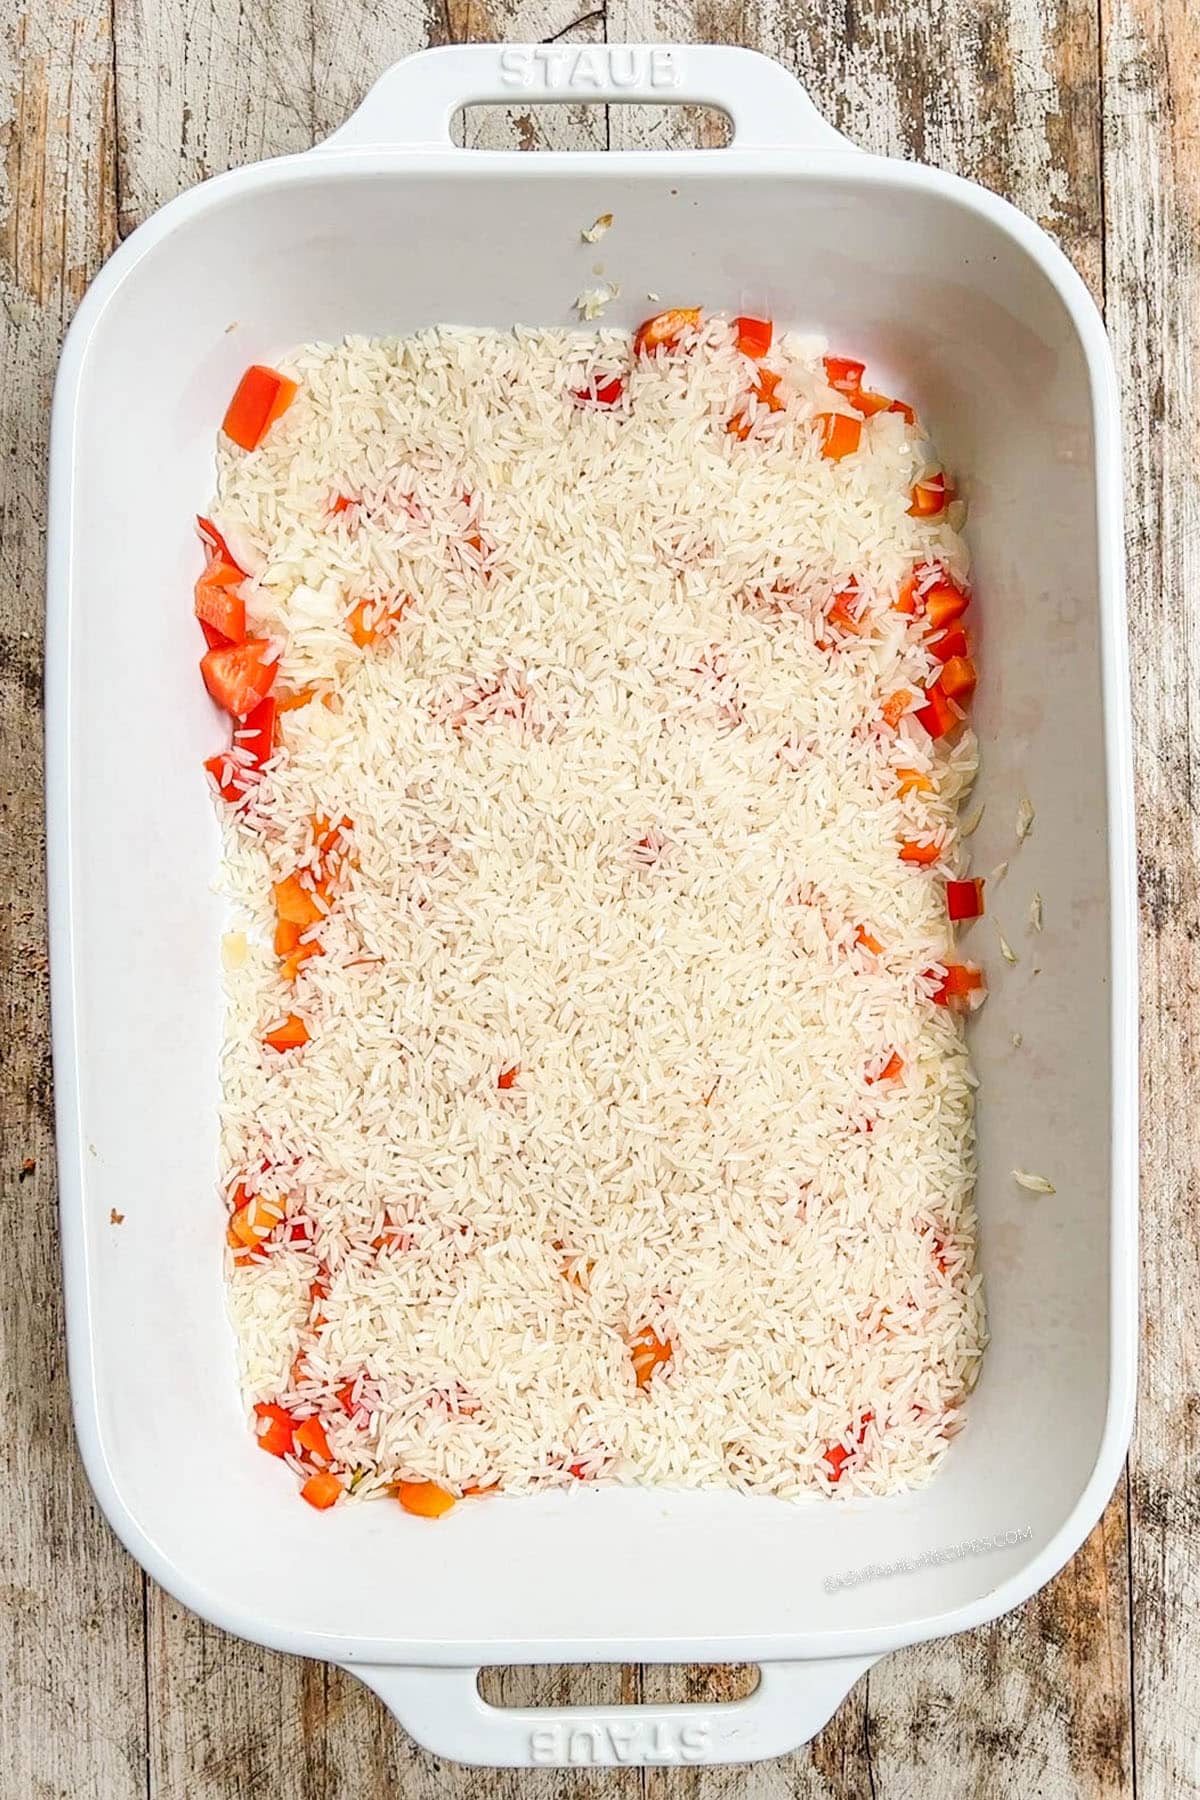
[958, 301]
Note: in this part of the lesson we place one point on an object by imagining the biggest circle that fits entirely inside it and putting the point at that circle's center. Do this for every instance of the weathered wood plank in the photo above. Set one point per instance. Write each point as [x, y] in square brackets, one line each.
[1036, 1703]
[1152, 161]
[209, 87]
[837, 1763]
[212, 86]
[531, 127]
[232, 1722]
[72, 1704]
[203, 88]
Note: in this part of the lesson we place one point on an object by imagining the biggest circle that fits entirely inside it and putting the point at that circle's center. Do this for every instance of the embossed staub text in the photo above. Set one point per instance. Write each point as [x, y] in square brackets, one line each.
[590, 68]
[604, 1742]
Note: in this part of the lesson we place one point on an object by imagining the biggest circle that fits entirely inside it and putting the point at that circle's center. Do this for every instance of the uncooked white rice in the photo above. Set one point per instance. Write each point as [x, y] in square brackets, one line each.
[617, 823]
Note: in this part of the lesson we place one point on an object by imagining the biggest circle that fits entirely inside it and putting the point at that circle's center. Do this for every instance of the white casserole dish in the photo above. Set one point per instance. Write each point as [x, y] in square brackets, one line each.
[958, 301]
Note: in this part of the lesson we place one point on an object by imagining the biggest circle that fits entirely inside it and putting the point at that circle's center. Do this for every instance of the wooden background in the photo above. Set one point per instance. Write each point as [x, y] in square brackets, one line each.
[1086, 113]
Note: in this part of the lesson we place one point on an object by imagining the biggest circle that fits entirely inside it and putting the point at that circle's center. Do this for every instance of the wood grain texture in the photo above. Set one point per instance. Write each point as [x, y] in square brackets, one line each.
[1036, 1703]
[72, 1707]
[1152, 161]
[116, 105]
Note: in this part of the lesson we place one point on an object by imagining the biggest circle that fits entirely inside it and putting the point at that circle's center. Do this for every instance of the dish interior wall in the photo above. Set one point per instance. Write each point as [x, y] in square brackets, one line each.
[948, 311]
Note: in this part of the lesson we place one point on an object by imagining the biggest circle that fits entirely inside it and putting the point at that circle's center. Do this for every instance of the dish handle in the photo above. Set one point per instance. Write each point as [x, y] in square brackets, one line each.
[411, 106]
[445, 1712]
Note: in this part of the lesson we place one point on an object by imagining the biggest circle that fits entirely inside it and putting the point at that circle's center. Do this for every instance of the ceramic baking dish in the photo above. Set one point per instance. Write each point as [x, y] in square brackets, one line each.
[961, 303]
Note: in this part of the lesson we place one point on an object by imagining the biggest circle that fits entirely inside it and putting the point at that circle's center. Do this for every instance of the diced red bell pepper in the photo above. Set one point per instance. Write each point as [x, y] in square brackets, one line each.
[912, 781]
[836, 1457]
[297, 904]
[895, 707]
[944, 602]
[753, 336]
[257, 734]
[647, 1352]
[840, 435]
[844, 374]
[425, 1498]
[219, 573]
[964, 899]
[906, 597]
[951, 643]
[963, 988]
[764, 393]
[938, 715]
[958, 678]
[322, 1490]
[342, 503]
[902, 406]
[296, 699]
[287, 936]
[331, 837]
[238, 676]
[608, 393]
[217, 605]
[274, 1430]
[374, 619]
[216, 546]
[228, 790]
[251, 1223]
[922, 854]
[869, 402]
[508, 1077]
[310, 1435]
[262, 396]
[291, 964]
[867, 941]
[292, 1034]
[764, 390]
[664, 330]
[844, 611]
[929, 497]
[892, 1067]
[295, 954]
